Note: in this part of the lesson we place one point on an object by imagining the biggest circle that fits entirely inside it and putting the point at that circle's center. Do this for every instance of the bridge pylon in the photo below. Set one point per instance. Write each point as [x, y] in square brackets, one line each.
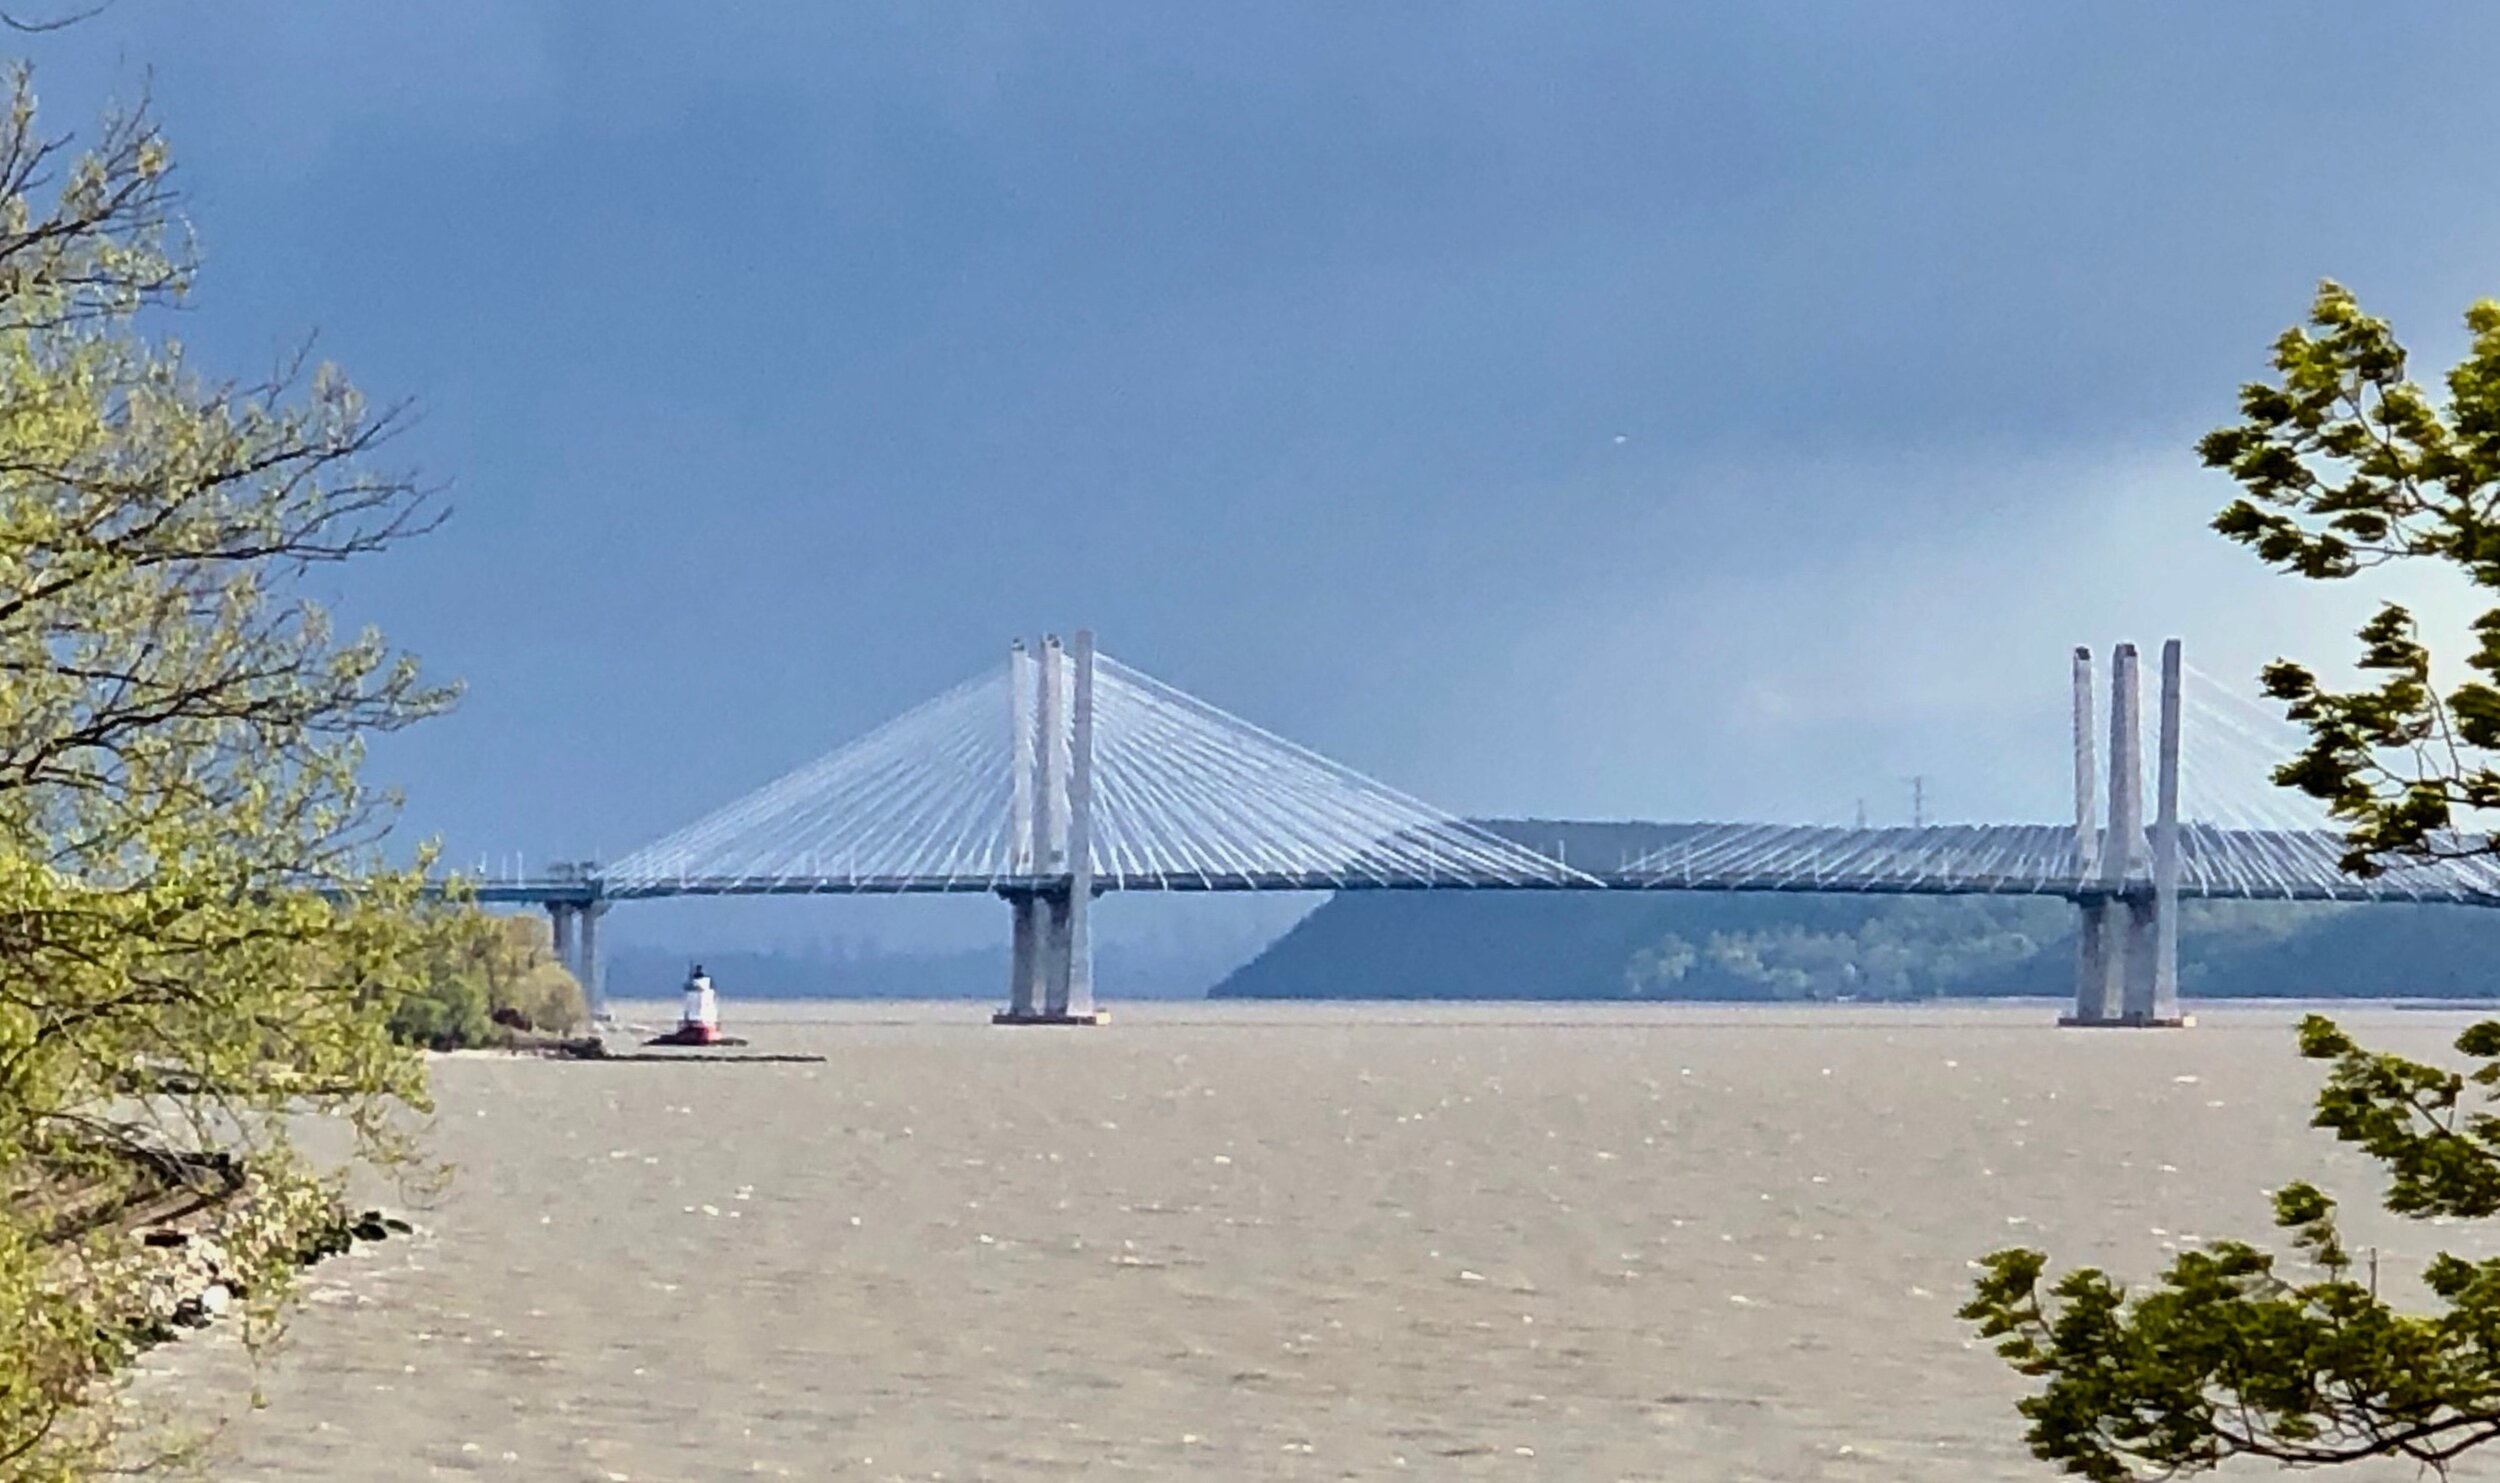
[2127, 878]
[1050, 719]
[575, 928]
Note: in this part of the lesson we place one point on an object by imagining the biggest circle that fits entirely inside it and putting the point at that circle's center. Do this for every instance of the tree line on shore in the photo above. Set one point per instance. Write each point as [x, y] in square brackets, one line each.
[1792, 948]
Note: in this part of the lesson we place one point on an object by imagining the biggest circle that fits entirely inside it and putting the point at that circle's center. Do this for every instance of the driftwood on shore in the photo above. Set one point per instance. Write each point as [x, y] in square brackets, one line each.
[151, 1187]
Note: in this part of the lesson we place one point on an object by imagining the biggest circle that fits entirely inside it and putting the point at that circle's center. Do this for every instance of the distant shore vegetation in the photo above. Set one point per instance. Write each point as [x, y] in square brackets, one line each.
[1716, 947]
[487, 980]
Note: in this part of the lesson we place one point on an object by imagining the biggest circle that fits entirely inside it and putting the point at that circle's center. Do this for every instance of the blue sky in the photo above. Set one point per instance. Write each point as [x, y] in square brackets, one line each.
[1591, 410]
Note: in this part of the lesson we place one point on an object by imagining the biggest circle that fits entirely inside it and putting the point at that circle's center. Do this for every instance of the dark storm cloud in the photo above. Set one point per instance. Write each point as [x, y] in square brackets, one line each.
[1462, 389]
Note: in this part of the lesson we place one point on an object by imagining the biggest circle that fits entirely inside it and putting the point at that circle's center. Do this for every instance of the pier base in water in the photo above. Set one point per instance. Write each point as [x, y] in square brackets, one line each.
[1035, 1017]
[2128, 1022]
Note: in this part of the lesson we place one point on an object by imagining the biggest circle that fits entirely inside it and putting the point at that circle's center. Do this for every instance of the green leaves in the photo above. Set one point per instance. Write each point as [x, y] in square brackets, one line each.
[470, 967]
[2223, 1356]
[180, 738]
[2342, 458]
[2346, 464]
[2442, 1157]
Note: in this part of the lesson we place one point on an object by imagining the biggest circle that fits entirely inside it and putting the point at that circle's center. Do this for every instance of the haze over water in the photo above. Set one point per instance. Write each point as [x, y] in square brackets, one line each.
[1279, 1241]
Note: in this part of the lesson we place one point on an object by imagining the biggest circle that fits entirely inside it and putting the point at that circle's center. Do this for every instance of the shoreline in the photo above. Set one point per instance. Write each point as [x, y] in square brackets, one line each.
[194, 1267]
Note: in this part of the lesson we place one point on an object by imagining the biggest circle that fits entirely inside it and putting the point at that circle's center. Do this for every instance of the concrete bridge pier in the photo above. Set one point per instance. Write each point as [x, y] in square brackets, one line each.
[1051, 969]
[575, 927]
[2153, 921]
[560, 918]
[1025, 839]
[2091, 911]
[1024, 958]
[2127, 927]
[591, 971]
[1072, 978]
[2093, 936]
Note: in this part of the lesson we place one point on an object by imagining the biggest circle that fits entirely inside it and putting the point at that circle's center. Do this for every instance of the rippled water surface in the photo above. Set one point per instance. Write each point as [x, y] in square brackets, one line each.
[1273, 1241]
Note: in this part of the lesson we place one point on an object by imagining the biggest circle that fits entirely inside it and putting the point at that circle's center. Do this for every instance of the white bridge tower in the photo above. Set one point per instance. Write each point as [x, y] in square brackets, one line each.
[2126, 890]
[1050, 972]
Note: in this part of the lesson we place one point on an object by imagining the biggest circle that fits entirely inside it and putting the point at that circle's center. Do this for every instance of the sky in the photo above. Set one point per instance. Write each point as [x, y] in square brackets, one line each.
[1588, 411]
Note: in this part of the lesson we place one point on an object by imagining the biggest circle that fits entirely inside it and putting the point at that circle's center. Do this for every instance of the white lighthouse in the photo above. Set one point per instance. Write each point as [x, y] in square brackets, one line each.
[699, 1022]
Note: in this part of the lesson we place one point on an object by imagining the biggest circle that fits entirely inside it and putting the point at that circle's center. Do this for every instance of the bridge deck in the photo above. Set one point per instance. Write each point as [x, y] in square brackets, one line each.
[1937, 860]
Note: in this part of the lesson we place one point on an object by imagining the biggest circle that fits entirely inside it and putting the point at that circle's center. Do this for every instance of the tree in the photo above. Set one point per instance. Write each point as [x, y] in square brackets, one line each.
[2347, 465]
[482, 974]
[197, 935]
[2344, 464]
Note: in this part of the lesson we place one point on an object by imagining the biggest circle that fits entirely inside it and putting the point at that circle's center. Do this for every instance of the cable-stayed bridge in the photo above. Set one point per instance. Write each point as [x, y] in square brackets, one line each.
[1063, 774]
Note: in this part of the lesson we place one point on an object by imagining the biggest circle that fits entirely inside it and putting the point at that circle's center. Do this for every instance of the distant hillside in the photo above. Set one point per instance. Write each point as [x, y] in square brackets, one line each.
[1704, 946]
[640, 972]
[1673, 945]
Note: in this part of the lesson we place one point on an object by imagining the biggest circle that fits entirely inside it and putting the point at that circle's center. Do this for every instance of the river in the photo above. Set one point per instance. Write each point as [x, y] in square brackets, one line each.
[1275, 1241]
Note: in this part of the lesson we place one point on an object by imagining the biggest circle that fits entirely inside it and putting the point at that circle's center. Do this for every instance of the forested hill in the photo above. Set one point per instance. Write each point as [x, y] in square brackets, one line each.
[1709, 946]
